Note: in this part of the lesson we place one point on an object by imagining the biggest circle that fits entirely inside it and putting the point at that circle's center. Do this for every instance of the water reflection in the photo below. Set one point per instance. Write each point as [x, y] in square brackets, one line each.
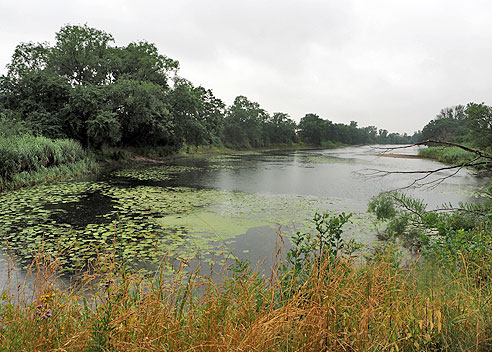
[335, 173]
[234, 203]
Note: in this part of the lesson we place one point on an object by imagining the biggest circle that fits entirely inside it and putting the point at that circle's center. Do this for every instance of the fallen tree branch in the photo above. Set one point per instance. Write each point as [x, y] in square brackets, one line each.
[432, 142]
[481, 159]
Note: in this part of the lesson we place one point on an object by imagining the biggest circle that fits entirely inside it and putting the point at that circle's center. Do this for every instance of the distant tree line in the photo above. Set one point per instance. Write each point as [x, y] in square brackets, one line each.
[314, 130]
[85, 88]
[470, 124]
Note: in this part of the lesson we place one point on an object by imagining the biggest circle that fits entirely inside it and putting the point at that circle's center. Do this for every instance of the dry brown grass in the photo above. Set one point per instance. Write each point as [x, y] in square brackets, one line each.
[345, 307]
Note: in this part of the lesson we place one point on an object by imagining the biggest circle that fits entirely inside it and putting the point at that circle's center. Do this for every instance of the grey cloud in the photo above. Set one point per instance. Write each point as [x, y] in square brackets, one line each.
[388, 63]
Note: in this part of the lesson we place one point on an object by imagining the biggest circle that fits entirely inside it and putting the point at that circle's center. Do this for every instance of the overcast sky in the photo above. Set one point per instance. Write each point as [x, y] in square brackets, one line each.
[389, 63]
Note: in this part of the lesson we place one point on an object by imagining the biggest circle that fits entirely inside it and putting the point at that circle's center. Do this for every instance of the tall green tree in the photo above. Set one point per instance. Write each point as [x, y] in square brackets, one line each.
[313, 129]
[281, 129]
[449, 125]
[212, 115]
[81, 55]
[244, 122]
[187, 106]
[480, 123]
[141, 61]
[144, 114]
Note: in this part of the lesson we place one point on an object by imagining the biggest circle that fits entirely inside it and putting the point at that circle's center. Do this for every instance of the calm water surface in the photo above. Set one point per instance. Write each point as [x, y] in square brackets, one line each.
[209, 209]
[337, 173]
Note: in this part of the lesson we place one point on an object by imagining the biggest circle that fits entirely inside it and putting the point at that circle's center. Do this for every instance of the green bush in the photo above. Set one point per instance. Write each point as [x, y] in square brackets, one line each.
[11, 126]
[447, 236]
[448, 155]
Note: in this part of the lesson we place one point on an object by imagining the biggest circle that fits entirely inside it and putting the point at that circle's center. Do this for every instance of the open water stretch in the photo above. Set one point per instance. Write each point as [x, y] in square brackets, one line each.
[211, 208]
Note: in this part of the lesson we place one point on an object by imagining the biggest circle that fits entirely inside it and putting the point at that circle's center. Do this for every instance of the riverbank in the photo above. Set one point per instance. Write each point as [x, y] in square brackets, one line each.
[332, 306]
[27, 160]
[447, 155]
[114, 156]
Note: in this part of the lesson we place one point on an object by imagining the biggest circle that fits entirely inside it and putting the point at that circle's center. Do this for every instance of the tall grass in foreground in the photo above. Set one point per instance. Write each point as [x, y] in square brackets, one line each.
[338, 306]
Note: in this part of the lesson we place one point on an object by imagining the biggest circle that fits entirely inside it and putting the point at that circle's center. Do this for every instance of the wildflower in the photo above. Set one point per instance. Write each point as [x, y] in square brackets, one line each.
[47, 314]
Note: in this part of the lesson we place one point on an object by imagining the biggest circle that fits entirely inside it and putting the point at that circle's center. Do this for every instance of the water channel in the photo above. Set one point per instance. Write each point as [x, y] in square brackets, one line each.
[211, 208]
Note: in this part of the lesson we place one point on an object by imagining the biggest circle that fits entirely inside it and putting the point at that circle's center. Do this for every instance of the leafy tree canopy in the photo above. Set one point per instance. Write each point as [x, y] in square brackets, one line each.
[86, 88]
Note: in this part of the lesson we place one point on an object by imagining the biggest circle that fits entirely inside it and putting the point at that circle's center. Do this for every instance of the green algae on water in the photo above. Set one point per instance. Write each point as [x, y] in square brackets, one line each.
[142, 224]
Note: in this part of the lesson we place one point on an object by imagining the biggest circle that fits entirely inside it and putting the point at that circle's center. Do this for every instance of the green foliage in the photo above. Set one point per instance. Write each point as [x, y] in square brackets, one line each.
[143, 113]
[39, 99]
[470, 125]
[448, 155]
[382, 206]
[186, 107]
[243, 124]
[11, 126]
[447, 236]
[141, 61]
[25, 155]
[313, 129]
[28, 58]
[83, 88]
[103, 128]
[280, 129]
[480, 122]
[326, 243]
[403, 216]
[449, 125]
[319, 132]
[81, 55]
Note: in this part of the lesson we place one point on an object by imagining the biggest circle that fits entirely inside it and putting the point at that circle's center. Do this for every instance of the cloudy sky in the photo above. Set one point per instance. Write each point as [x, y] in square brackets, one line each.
[389, 63]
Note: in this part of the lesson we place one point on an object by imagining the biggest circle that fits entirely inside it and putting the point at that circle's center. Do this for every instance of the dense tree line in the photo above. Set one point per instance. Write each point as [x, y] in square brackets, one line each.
[85, 88]
[470, 124]
[317, 131]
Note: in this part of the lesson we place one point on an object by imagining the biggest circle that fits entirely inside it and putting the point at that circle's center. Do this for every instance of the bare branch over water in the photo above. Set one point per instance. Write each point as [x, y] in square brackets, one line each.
[425, 176]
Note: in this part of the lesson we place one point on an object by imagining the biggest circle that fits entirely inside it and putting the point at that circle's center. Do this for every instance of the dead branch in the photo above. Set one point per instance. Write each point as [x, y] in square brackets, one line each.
[481, 159]
[432, 142]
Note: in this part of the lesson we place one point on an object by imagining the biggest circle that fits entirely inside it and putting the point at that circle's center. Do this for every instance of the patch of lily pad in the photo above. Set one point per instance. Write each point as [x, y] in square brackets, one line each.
[154, 173]
[142, 225]
[325, 159]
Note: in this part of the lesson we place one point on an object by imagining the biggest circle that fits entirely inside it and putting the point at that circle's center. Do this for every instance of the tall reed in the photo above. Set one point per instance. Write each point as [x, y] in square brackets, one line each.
[26, 159]
[340, 306]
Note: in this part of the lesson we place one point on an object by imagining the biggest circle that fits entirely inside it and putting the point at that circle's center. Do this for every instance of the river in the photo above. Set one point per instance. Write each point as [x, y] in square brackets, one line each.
[212, 208]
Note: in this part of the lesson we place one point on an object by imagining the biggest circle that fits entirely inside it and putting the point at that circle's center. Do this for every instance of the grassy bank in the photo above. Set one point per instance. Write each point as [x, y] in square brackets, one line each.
[27, 159]
[335, 306]
[448, 155]
[321, 297]
[119, 154]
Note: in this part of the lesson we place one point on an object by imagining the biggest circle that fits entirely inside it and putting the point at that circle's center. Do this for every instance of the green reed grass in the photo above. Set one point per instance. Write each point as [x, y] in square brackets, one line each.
[448, 155]
[27, 159]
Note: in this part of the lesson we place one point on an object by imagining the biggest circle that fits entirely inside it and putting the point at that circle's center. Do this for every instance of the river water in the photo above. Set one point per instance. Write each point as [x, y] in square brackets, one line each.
[210, 209]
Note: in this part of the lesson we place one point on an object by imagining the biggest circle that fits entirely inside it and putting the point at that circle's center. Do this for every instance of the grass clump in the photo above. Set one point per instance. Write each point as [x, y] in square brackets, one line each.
[448, 155]
[27, 159]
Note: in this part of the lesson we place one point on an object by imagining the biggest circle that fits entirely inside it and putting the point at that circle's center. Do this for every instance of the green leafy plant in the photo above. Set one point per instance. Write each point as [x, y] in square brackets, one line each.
[326, 243]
